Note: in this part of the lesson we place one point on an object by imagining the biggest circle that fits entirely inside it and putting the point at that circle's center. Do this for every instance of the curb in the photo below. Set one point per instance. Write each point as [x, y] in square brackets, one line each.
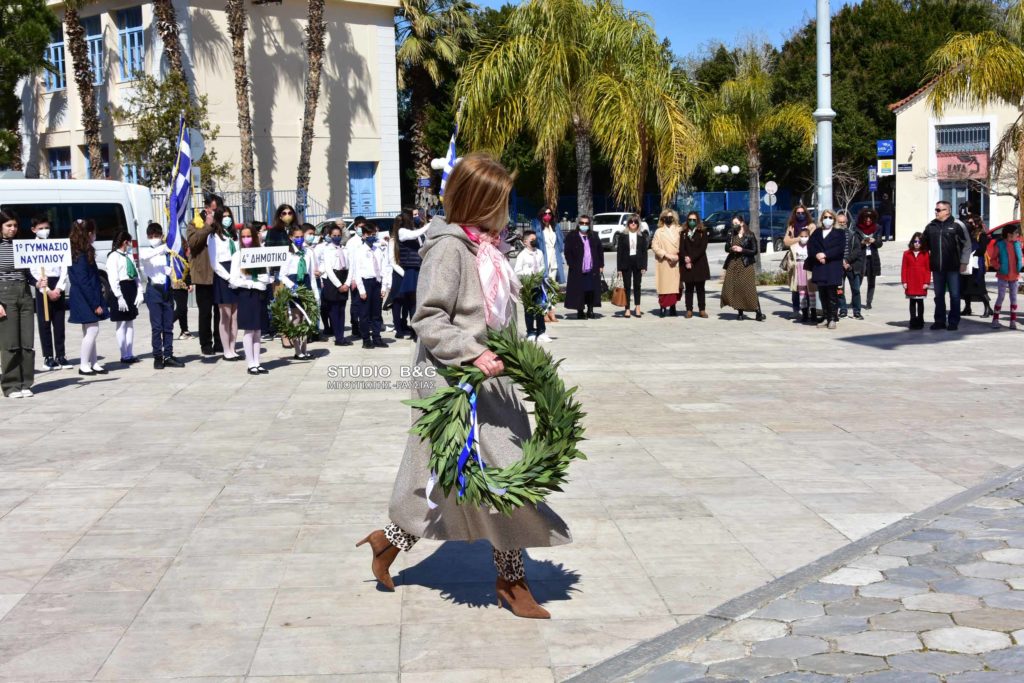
[622, 665]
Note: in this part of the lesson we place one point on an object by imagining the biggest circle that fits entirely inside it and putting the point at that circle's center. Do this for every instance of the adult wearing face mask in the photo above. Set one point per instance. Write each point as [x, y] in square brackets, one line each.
[853, 266]
[739, 289]
[201, 269]
[798, 220]
[693, 254]
[631, 260]
[666, 262]
[825, 250]
[551, 243]
[156, 261]
[585, 258]
[871, 241]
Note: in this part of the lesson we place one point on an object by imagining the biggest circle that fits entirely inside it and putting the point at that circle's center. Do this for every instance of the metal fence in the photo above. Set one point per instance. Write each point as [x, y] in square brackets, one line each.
[266, 202]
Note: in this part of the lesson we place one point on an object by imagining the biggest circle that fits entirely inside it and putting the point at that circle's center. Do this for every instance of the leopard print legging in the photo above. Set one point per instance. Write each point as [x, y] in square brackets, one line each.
[509, 563]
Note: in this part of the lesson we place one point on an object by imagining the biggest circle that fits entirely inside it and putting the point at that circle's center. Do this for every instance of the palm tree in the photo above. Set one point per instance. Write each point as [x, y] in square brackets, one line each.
[84, 82]
[237, 22]
[982, 68]
[315, 30]
[585, 69]
[743, 116]
[431, 35]
[167, 27]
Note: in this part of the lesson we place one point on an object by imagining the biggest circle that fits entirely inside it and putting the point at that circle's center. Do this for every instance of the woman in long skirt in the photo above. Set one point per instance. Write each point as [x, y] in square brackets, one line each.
[458, 302]
[739, 290]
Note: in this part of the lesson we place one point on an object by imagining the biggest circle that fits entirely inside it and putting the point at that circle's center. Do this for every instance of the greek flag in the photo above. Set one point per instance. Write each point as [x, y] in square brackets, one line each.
[449, 162]
[181, 190]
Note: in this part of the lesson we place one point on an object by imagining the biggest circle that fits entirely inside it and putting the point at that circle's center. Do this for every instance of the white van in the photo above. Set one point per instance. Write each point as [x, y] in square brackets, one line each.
[114, 205]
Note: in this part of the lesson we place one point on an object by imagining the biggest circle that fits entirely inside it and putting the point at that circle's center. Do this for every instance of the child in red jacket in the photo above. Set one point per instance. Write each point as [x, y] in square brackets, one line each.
[916, 275]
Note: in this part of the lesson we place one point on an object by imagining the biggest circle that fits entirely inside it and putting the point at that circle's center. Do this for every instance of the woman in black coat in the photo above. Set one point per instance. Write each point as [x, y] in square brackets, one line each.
[631, 261]
[585, 258]
[972, 286]
[825, 255]
[694, 271]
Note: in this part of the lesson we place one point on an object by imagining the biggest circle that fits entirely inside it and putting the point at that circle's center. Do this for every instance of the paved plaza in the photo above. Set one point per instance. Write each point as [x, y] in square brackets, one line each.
[200, 523]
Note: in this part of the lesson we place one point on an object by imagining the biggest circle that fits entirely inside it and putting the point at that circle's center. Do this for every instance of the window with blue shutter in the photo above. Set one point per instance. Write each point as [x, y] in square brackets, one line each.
[94, 41]
[362, 187]
[131, 42]
[56, 79]
[105, 154]
[60, 162]
[130, 173]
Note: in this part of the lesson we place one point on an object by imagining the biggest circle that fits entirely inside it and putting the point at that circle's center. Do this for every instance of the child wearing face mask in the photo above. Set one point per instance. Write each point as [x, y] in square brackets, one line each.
[369, 266]
[355, 240]
[51, 282]
[156, 261]
[529, 262]
[916, 275]
[250, 286]
[798, 282]
[334, 270]
[221, 247]
[1005, 255]
[298, 272]
[126, 290]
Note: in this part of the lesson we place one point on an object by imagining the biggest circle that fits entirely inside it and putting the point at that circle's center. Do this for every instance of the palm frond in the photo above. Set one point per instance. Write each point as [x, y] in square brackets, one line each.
[976, 68]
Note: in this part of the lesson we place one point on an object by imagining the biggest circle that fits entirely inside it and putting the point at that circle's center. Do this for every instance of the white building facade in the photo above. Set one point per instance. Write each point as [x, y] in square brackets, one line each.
[354, 162]
[949, 158]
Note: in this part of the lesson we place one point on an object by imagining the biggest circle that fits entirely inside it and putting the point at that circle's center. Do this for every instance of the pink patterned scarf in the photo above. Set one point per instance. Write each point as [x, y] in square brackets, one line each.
[497, 279]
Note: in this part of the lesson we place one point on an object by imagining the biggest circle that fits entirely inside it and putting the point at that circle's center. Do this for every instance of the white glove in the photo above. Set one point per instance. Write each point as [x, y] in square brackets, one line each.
[122, 305]
[138, 298]
[262, 286]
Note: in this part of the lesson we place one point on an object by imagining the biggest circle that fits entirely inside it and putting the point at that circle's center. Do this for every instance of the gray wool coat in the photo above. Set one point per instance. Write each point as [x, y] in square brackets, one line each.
[449, 322]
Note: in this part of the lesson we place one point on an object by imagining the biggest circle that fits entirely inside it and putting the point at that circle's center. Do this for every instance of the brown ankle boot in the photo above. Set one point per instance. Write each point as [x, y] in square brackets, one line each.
[516, 594]
[383, 555]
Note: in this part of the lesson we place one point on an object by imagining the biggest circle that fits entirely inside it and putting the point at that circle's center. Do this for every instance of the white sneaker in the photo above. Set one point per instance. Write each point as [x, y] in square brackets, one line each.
[15, 394]
[531, 337]
[27, 393]
[544, 339]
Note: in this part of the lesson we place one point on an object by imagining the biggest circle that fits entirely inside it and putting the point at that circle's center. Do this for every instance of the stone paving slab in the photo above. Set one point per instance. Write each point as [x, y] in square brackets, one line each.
[942, 631]
[200, 523]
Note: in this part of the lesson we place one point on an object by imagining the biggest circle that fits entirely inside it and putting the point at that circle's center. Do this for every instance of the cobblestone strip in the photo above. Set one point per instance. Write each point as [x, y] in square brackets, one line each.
[936, 597]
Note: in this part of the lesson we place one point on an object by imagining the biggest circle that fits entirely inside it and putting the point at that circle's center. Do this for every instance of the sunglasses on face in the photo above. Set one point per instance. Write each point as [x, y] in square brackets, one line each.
[287, 213]
[547, 213]
[584, 223]
[633, 223]
[801, 214]
[939, 209]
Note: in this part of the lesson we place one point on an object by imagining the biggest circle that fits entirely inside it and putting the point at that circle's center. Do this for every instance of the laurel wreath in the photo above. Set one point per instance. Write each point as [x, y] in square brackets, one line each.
[445, 423]
[530, 293]
[283, 305]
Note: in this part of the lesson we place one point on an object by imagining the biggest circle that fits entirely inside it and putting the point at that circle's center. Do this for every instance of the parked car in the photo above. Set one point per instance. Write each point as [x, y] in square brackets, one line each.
[610, 225]
[998, 230]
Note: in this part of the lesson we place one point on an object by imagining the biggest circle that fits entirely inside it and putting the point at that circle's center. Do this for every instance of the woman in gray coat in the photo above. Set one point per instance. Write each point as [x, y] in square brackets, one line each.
[452, 320]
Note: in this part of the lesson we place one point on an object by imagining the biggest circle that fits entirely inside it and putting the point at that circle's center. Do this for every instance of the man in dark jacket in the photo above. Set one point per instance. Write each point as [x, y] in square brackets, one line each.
[853, 267]
[949, 250]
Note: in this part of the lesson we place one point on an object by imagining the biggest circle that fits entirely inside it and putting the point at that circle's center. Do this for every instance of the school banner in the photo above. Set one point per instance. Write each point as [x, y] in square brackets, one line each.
[35, 254]
[264, 257]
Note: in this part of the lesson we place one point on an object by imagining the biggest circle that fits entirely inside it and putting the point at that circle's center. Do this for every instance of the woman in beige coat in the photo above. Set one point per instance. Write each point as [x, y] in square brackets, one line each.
[451, 321]
[666, 257]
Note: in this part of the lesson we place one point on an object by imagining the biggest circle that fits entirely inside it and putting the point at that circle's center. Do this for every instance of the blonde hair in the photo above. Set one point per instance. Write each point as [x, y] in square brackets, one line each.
[827, 212]
[668, 213]
[477, 193]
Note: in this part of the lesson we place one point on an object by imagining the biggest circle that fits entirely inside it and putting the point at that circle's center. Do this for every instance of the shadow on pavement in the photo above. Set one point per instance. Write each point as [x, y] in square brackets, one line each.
[464, 574]
[904, 336]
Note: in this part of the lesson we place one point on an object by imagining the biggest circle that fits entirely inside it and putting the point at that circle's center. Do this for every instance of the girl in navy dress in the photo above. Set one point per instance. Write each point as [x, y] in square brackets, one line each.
[85, 298]
[249, 285]
[125, 294]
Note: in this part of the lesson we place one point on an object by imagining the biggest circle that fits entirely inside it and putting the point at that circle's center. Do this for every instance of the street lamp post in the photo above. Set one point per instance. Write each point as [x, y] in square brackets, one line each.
[727, 171]
[824, 114]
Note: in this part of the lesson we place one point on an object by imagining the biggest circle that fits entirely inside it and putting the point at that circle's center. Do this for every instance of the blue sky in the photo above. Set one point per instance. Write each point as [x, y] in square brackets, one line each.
[692, 24]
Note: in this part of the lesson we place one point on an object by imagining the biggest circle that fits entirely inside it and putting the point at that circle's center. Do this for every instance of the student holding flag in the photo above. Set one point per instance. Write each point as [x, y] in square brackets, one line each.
[126, 294]
[158, 266]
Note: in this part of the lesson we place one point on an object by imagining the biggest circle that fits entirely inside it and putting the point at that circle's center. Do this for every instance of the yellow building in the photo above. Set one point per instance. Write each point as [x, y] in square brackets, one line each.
[948, 158]
[354, 164]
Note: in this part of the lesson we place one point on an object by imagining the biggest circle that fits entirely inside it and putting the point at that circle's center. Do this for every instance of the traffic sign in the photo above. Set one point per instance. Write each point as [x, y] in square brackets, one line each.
[771, 187]
[886, 148]
[423, 182]
[770, 199]
[886, 167]
[872, 179]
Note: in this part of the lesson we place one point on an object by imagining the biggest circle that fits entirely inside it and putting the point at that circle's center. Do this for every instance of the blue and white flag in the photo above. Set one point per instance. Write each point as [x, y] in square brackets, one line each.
[449, 162]
[181, 191]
